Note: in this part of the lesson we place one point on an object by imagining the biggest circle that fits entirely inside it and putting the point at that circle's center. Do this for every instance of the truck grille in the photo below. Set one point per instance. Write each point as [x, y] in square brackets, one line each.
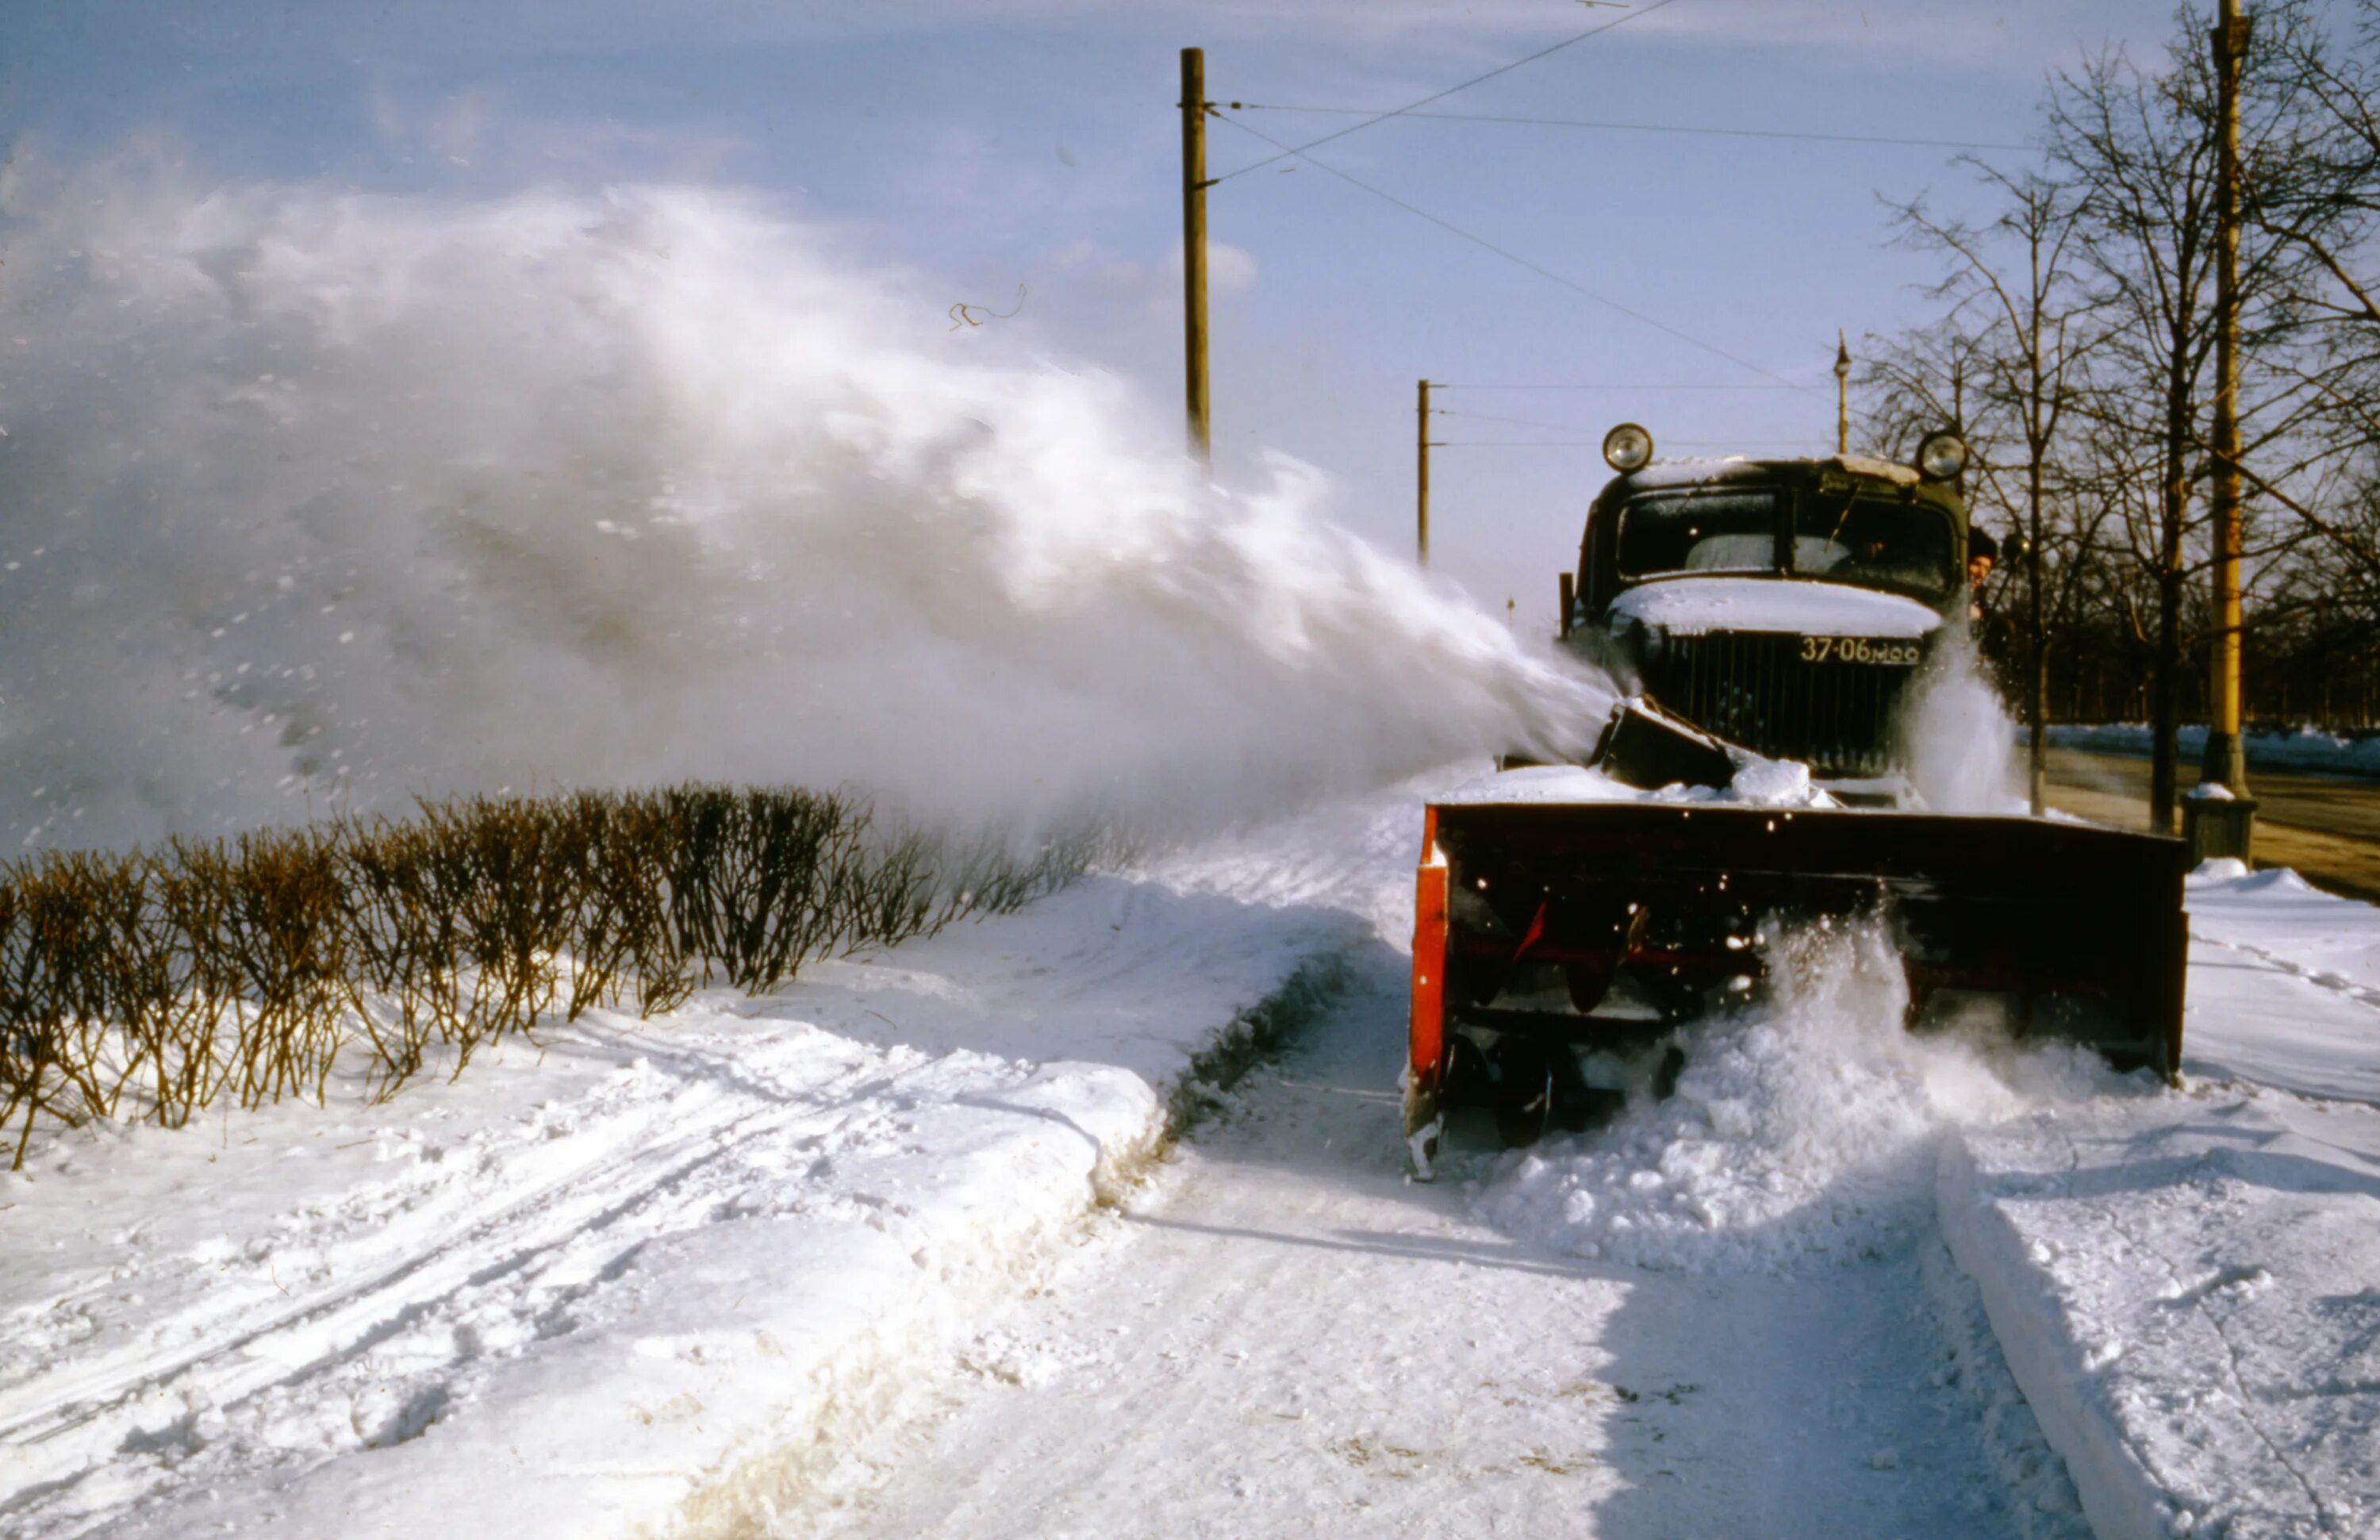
[1758, 690]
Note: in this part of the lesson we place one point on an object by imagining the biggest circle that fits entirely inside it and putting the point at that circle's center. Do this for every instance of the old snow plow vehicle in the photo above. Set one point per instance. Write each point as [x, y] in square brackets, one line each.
[1764, 610]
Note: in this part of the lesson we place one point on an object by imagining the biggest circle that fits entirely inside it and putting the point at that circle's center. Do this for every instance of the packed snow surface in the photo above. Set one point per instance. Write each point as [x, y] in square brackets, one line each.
[1284, 1338]
[2184, 1285]
[769, 1266]
[2186, 1289]
[2284, 984]
[1692, 606]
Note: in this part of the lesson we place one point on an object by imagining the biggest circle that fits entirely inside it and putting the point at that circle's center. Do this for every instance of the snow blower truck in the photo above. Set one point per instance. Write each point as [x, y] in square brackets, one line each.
[1790, 608]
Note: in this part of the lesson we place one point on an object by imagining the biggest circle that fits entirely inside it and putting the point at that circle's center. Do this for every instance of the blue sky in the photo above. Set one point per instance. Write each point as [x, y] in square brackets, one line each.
[982, 146]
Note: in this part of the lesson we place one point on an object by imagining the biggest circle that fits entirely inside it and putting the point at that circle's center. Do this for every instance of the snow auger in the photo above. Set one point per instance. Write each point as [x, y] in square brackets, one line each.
[1783, 608]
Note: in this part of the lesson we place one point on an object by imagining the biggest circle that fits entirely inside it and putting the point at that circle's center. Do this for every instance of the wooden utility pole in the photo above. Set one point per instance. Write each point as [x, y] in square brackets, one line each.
[1421, 477]
[1194, 249]
[2225, 761]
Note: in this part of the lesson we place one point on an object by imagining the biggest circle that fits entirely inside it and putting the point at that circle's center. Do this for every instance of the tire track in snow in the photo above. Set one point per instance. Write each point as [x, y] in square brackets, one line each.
[576, 1220]
[2320, 978]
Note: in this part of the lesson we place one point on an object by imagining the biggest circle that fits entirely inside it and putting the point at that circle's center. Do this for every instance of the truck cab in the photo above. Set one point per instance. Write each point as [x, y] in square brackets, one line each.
[1785, 605]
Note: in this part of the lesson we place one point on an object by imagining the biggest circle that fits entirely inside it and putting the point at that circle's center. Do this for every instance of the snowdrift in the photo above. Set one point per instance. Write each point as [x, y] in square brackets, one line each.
[2182, 1289]
[2302, 748]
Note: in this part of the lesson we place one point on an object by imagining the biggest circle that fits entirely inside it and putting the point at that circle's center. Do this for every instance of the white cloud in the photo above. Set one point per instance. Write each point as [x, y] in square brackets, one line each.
[1230, 269]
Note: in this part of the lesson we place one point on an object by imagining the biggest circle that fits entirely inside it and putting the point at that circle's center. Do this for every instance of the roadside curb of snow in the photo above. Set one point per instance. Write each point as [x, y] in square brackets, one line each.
[2042, 1501]
[1253, 1035]
[2035, 1337]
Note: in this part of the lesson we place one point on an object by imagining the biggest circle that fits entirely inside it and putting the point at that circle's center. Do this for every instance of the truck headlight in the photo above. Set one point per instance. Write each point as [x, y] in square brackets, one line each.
[1942, 457]
[1627, 447]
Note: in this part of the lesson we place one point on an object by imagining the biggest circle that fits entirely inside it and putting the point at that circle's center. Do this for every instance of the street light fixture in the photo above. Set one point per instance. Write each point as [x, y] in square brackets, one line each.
[1842, 395]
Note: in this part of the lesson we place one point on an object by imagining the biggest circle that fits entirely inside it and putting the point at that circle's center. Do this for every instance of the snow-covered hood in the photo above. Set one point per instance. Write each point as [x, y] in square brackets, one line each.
[1694, 606]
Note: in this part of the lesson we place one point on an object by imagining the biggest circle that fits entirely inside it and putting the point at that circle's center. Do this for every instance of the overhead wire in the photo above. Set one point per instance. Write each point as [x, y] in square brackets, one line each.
[1598, 444]
[1514, 257]
[1635, 127]
[1490, 416]
[1287, 150]
[1462, 386]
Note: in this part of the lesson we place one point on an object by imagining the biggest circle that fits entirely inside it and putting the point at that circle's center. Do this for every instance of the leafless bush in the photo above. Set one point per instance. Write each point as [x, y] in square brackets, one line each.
[148, 984]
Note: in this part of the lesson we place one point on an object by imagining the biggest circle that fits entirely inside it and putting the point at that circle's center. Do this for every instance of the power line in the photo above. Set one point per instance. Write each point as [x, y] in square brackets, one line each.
[1441, 384]
[1553, 427]
[1439, 96]
[1514, 257]
[1598, 444]
[1515, 421]
[1635, 127]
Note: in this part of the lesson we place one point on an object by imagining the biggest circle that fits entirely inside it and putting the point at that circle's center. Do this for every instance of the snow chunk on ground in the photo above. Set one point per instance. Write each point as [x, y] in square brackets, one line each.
[1803, 1130]
[2184, 1288]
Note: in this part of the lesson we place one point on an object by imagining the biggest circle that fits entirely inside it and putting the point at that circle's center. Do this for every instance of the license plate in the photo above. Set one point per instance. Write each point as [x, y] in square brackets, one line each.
[1858, 650]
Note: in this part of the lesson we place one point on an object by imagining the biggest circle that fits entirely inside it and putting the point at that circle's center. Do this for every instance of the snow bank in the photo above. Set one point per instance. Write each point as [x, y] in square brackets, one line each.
[2041, 1496]
[635, 1278]
[2183, 1287]
[2302, 748]
[1802, 1131]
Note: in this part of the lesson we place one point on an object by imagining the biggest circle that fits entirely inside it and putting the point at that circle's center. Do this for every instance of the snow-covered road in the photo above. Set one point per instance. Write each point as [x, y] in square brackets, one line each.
[868, 1257]
[1282, 1335]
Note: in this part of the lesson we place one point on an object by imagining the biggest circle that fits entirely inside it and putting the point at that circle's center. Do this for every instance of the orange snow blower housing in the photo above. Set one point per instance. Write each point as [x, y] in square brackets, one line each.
[1789, 608]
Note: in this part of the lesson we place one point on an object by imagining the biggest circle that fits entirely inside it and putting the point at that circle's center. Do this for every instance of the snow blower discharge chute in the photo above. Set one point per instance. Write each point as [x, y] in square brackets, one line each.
[1787, 608]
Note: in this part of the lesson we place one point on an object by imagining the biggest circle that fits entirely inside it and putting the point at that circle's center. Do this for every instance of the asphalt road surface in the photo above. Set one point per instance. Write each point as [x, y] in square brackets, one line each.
[2326, 827]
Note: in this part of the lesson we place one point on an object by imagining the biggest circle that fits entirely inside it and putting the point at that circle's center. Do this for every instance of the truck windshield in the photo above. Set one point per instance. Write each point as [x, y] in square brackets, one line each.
[1901, 546]
[1712, 531]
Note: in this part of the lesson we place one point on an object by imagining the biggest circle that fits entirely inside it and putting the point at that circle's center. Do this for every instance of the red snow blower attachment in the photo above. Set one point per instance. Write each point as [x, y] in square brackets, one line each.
[1547, 931]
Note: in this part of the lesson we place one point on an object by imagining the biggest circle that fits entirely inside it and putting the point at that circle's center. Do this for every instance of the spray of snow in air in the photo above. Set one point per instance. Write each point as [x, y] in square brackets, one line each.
[1801, 1131]
[1956, 735]
[321, 499]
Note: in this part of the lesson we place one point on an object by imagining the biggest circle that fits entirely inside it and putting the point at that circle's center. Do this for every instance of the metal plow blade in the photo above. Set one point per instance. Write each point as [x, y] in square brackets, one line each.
[1542, 932]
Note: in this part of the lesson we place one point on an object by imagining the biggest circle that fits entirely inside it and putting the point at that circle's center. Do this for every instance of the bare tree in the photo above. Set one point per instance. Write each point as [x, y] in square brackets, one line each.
[2323, 197]
[2021, 275]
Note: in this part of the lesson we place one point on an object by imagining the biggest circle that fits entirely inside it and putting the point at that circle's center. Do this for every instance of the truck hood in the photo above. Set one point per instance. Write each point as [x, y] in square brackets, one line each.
[1694, 606]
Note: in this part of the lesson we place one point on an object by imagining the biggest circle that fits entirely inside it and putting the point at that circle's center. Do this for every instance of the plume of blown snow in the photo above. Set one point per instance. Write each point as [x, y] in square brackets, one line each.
[1803, 1131]
[1956, 735]
[320, 500]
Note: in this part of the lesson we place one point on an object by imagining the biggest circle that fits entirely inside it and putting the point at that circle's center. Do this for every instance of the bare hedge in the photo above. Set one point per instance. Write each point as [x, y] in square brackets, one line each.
[148, 984]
